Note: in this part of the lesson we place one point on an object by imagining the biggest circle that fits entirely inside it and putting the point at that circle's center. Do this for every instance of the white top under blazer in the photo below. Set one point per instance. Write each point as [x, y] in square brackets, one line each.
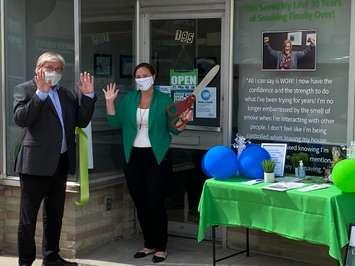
[142, 137]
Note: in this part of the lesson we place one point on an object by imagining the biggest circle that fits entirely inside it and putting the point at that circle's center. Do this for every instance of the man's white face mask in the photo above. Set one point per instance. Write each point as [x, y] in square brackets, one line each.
[53, 76]
[144, 84]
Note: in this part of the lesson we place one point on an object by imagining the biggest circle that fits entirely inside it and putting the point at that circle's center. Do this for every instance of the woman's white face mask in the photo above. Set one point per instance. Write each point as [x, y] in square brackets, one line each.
[144, 84]
[53, 76]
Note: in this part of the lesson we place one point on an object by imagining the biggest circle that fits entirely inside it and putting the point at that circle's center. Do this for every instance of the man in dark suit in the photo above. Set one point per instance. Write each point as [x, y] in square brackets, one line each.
[49, 114]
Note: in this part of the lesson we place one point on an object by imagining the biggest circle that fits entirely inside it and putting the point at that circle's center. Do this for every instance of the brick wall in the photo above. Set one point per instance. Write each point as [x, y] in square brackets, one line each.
[11, 200]
[109, 215]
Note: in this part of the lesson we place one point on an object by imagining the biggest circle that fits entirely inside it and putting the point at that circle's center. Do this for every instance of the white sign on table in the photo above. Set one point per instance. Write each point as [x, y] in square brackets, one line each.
[277, 152]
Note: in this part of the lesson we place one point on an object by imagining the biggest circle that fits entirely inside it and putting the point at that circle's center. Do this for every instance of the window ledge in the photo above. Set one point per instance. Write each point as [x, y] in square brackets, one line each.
[73, 186]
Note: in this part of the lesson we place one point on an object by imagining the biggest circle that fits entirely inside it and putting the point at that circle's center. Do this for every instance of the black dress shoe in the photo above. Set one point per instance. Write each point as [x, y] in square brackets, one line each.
[142, 254]
[157, 259]
[59, 262]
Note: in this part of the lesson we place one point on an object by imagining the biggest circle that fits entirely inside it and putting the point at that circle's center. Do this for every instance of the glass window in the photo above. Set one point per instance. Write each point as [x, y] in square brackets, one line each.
[31, 28]
[107, 52]
[182, 45]
[291, 64]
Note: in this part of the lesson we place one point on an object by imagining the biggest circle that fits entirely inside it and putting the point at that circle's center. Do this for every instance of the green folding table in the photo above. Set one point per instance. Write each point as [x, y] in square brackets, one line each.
[321, 217]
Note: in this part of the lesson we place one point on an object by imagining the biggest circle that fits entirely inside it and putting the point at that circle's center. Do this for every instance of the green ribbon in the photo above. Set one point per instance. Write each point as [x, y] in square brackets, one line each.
[83, 167]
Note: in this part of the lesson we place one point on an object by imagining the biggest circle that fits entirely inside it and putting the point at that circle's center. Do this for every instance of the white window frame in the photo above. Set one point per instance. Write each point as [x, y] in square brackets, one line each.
[219, 10]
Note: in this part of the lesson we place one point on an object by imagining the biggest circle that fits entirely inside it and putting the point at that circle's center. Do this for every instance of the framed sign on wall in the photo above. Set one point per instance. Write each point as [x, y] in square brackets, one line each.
[102, 65]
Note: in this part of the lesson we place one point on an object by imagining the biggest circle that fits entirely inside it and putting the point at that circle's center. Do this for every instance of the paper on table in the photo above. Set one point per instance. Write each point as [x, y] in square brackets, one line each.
[283, 186]
[253, 182]
[314, 187]
[288, 179]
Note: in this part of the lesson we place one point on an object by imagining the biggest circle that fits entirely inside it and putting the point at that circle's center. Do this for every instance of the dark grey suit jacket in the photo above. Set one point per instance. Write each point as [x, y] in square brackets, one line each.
[40, 150]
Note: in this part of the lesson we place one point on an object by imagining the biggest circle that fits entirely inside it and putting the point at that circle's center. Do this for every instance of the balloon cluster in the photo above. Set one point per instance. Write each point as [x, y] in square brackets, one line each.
[250, 161]
[222, 162]
[343, 175]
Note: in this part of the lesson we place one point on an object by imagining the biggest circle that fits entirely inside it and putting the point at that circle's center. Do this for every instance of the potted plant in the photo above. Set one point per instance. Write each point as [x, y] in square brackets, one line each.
[269, 170]
[296, 158]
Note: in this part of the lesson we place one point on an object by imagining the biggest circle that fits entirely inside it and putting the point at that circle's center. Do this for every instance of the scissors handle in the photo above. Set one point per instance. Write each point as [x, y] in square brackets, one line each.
[177, 108]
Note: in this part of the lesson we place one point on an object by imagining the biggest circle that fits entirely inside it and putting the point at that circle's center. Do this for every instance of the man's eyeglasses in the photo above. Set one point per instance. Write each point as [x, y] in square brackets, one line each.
[51, 69]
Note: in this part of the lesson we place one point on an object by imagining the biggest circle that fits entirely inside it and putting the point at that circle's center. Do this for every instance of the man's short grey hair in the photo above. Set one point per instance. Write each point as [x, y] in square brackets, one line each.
[49, 57]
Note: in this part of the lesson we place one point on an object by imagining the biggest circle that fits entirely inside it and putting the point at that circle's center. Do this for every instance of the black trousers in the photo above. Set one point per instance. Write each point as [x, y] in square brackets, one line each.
[147, 183]
[34, 190]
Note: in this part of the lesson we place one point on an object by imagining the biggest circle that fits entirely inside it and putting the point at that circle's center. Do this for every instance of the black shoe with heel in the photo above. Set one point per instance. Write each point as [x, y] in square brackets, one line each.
[59, 261]
[160, 258]
[143, 253]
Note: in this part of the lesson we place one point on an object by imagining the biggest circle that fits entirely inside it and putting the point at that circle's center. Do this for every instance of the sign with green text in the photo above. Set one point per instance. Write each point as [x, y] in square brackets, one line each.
[183, 80]
[295, 10]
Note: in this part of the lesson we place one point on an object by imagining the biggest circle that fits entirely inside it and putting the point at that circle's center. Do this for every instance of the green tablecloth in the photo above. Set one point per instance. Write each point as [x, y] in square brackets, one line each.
[320, 217]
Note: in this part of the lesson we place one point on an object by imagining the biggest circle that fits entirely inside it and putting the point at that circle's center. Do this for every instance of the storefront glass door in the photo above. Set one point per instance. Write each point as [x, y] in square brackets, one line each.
[183, 51]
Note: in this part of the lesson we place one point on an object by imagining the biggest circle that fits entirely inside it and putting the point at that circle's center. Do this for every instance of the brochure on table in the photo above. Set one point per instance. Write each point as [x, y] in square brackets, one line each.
[283, 186]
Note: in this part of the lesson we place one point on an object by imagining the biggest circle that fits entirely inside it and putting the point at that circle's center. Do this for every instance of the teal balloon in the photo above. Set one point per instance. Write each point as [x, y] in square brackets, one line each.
[343, 175]
[220, 162]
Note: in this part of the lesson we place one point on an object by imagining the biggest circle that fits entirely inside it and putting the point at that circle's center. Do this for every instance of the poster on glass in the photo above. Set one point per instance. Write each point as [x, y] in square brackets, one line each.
[289, 50]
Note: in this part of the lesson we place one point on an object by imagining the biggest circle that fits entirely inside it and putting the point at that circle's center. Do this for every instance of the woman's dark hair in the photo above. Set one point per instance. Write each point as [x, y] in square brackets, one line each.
[145, 65]
[285, 43]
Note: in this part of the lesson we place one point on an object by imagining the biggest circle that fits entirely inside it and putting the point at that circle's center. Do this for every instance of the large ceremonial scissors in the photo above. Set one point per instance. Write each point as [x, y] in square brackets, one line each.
[177, 108]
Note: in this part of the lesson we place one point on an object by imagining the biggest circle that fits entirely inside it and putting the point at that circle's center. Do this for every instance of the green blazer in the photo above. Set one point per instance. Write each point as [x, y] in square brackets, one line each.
[159, 123]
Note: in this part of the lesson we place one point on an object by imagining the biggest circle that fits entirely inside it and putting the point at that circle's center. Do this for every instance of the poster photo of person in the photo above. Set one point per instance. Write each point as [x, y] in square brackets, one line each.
[289, 51]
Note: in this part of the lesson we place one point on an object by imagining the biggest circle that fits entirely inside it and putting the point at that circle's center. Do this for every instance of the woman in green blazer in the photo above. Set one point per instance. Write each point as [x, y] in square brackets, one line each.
[146, 131]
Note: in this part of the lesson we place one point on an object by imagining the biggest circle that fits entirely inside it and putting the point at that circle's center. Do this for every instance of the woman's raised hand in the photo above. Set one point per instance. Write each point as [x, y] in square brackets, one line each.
[111, 92]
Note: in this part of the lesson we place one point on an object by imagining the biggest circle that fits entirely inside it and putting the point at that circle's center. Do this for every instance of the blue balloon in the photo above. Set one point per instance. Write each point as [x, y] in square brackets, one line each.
[220, 162]
[203, 165]
[250, 161]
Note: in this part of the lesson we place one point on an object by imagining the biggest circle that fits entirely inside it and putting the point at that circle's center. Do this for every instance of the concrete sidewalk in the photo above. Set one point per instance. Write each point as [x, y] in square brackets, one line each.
[181, 252]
